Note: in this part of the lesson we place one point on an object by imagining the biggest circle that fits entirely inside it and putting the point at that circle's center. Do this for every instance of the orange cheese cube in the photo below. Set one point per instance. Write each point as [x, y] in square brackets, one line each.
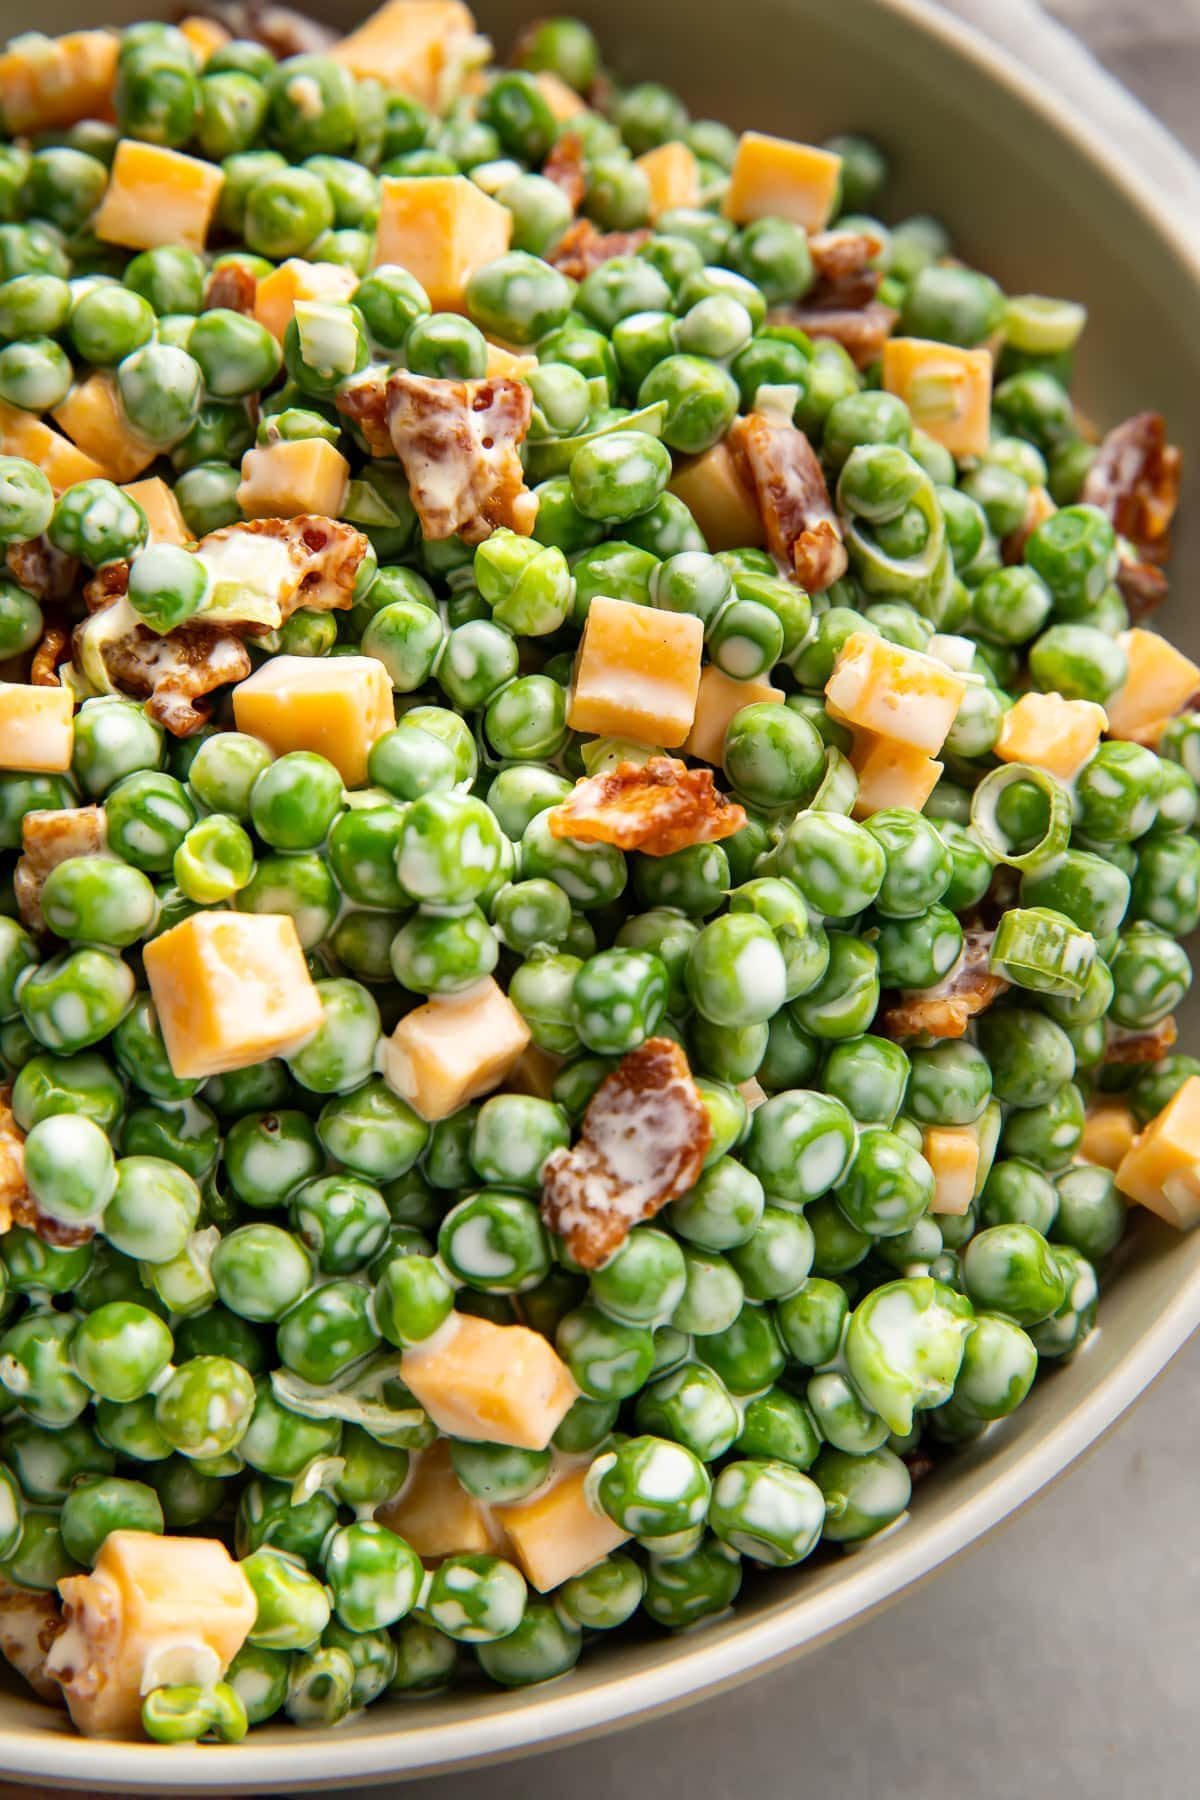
[416, 47]
[277, 293]
[453, 1049]
[305, 475]
[336, 706]
[165, 521]
[674, 177]
[1108, 1133]
[560, 96]
[952, 1152]
[557, 1534]
[92, 418]
[204, 35]
[947, 390]
[37, 728]
[48, 82]
[154, 1612]
[157, 196]
[775, 178]
[1051, 733]
[637, 673]
[713, 491]
[21, 434]
[502, 361]
[1161, 680]
[435, 1514]
[1161, 1168]
[231, 989]
[441, 228]
[719, 700]
[496, 1384]
[534, 1072]
[895, 693]
[891, 774]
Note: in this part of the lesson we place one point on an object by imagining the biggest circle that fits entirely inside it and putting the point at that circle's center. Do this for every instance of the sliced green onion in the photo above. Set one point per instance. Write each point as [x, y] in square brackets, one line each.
[1042, 950]
[984, 822]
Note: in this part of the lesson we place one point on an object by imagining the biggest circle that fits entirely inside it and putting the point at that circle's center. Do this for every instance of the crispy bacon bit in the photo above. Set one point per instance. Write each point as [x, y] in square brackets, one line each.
[459, 444]
[233, 287]
[564, 167]
[1126, 1046]
[51, 653]
[171, 673]
[108, 583]
[13, 1191]
[1038, 508]
[30, 1621]
[657, 807]
[1143, 587]
[781, 468]
[582, 248]
[862, 331]
[644, 1139]
[324, 555]
[284, 32]
[48, 838]
[842, 260]
[41, 570]
[1135, 480]
[947, 1010]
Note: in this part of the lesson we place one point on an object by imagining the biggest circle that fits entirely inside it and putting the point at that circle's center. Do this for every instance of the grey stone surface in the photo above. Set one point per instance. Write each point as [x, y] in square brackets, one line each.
[1059, 1656]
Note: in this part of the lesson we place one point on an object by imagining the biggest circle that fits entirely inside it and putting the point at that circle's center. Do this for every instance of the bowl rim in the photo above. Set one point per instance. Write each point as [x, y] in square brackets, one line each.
[701, 1666]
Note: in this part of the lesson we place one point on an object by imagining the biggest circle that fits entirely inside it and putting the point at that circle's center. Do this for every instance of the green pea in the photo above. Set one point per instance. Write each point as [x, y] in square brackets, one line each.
[280, 1443]
[327, 1330]
[800, 1145]
[863, 1494]
[1011, 1269]
[372, 1131]
[269, 1154]
[619, 475]
[475, 1599]
[102, 1504]
[608, 1358]
[776, 1425]
[702, 1583]
[767, 1510]
[284, 210]
[36, 1368]
[74, 1000]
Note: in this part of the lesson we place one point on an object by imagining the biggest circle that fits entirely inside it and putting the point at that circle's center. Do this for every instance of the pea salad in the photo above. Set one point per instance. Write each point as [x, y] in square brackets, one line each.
[594, 839]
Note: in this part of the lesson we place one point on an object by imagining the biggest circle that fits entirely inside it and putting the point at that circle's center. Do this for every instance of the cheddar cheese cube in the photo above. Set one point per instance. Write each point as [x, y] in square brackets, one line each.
[337, 706]
[947, 390]
[503, 361]
[891, 774]
[231, 989]
[895, 693]
[1108, 1133]
[1051, 733]
[1161, 680]
[435, 1514]
[673, 175]
[304, 475]
[774, 178]
[497, 1384]
[718, 701]
[165, 521]
[37, 728]
[441, 228]
[92, 418]
[560, 96]
[154, 1612]
[277, 293]
[1161, 1168]
[204, 35]
[534, 1072]
[61, 462]
[416, 47]
[637, 673]
[557, 1534]
[454, 1048]
[952, 1152]
[157, 196]
[711, 487]
[47, 82]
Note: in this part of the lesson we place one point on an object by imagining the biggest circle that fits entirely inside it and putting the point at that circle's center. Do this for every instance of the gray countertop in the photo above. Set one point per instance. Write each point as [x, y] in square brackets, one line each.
[1059, 1656]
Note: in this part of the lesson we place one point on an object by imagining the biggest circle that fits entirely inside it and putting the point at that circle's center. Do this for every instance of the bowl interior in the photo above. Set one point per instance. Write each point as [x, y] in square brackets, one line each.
[1044, 208]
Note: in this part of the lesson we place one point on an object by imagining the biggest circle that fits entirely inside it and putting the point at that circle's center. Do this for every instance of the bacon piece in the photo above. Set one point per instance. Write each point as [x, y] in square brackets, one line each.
[1135, 481]
[657, 807]
[172, 672]
[30, 1620]
[1143, 587]
[781, 468]
[564, 167]
[842, 260]
[41, 570]
[947, 1010]
[459, 444]
[13, 1191]
[50, 837]
[51, 653]
[108, 583]
[582, 248]
[282, 31]
[643, 1142]
[232, 287]
[1127, 1046]
[862, 331]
